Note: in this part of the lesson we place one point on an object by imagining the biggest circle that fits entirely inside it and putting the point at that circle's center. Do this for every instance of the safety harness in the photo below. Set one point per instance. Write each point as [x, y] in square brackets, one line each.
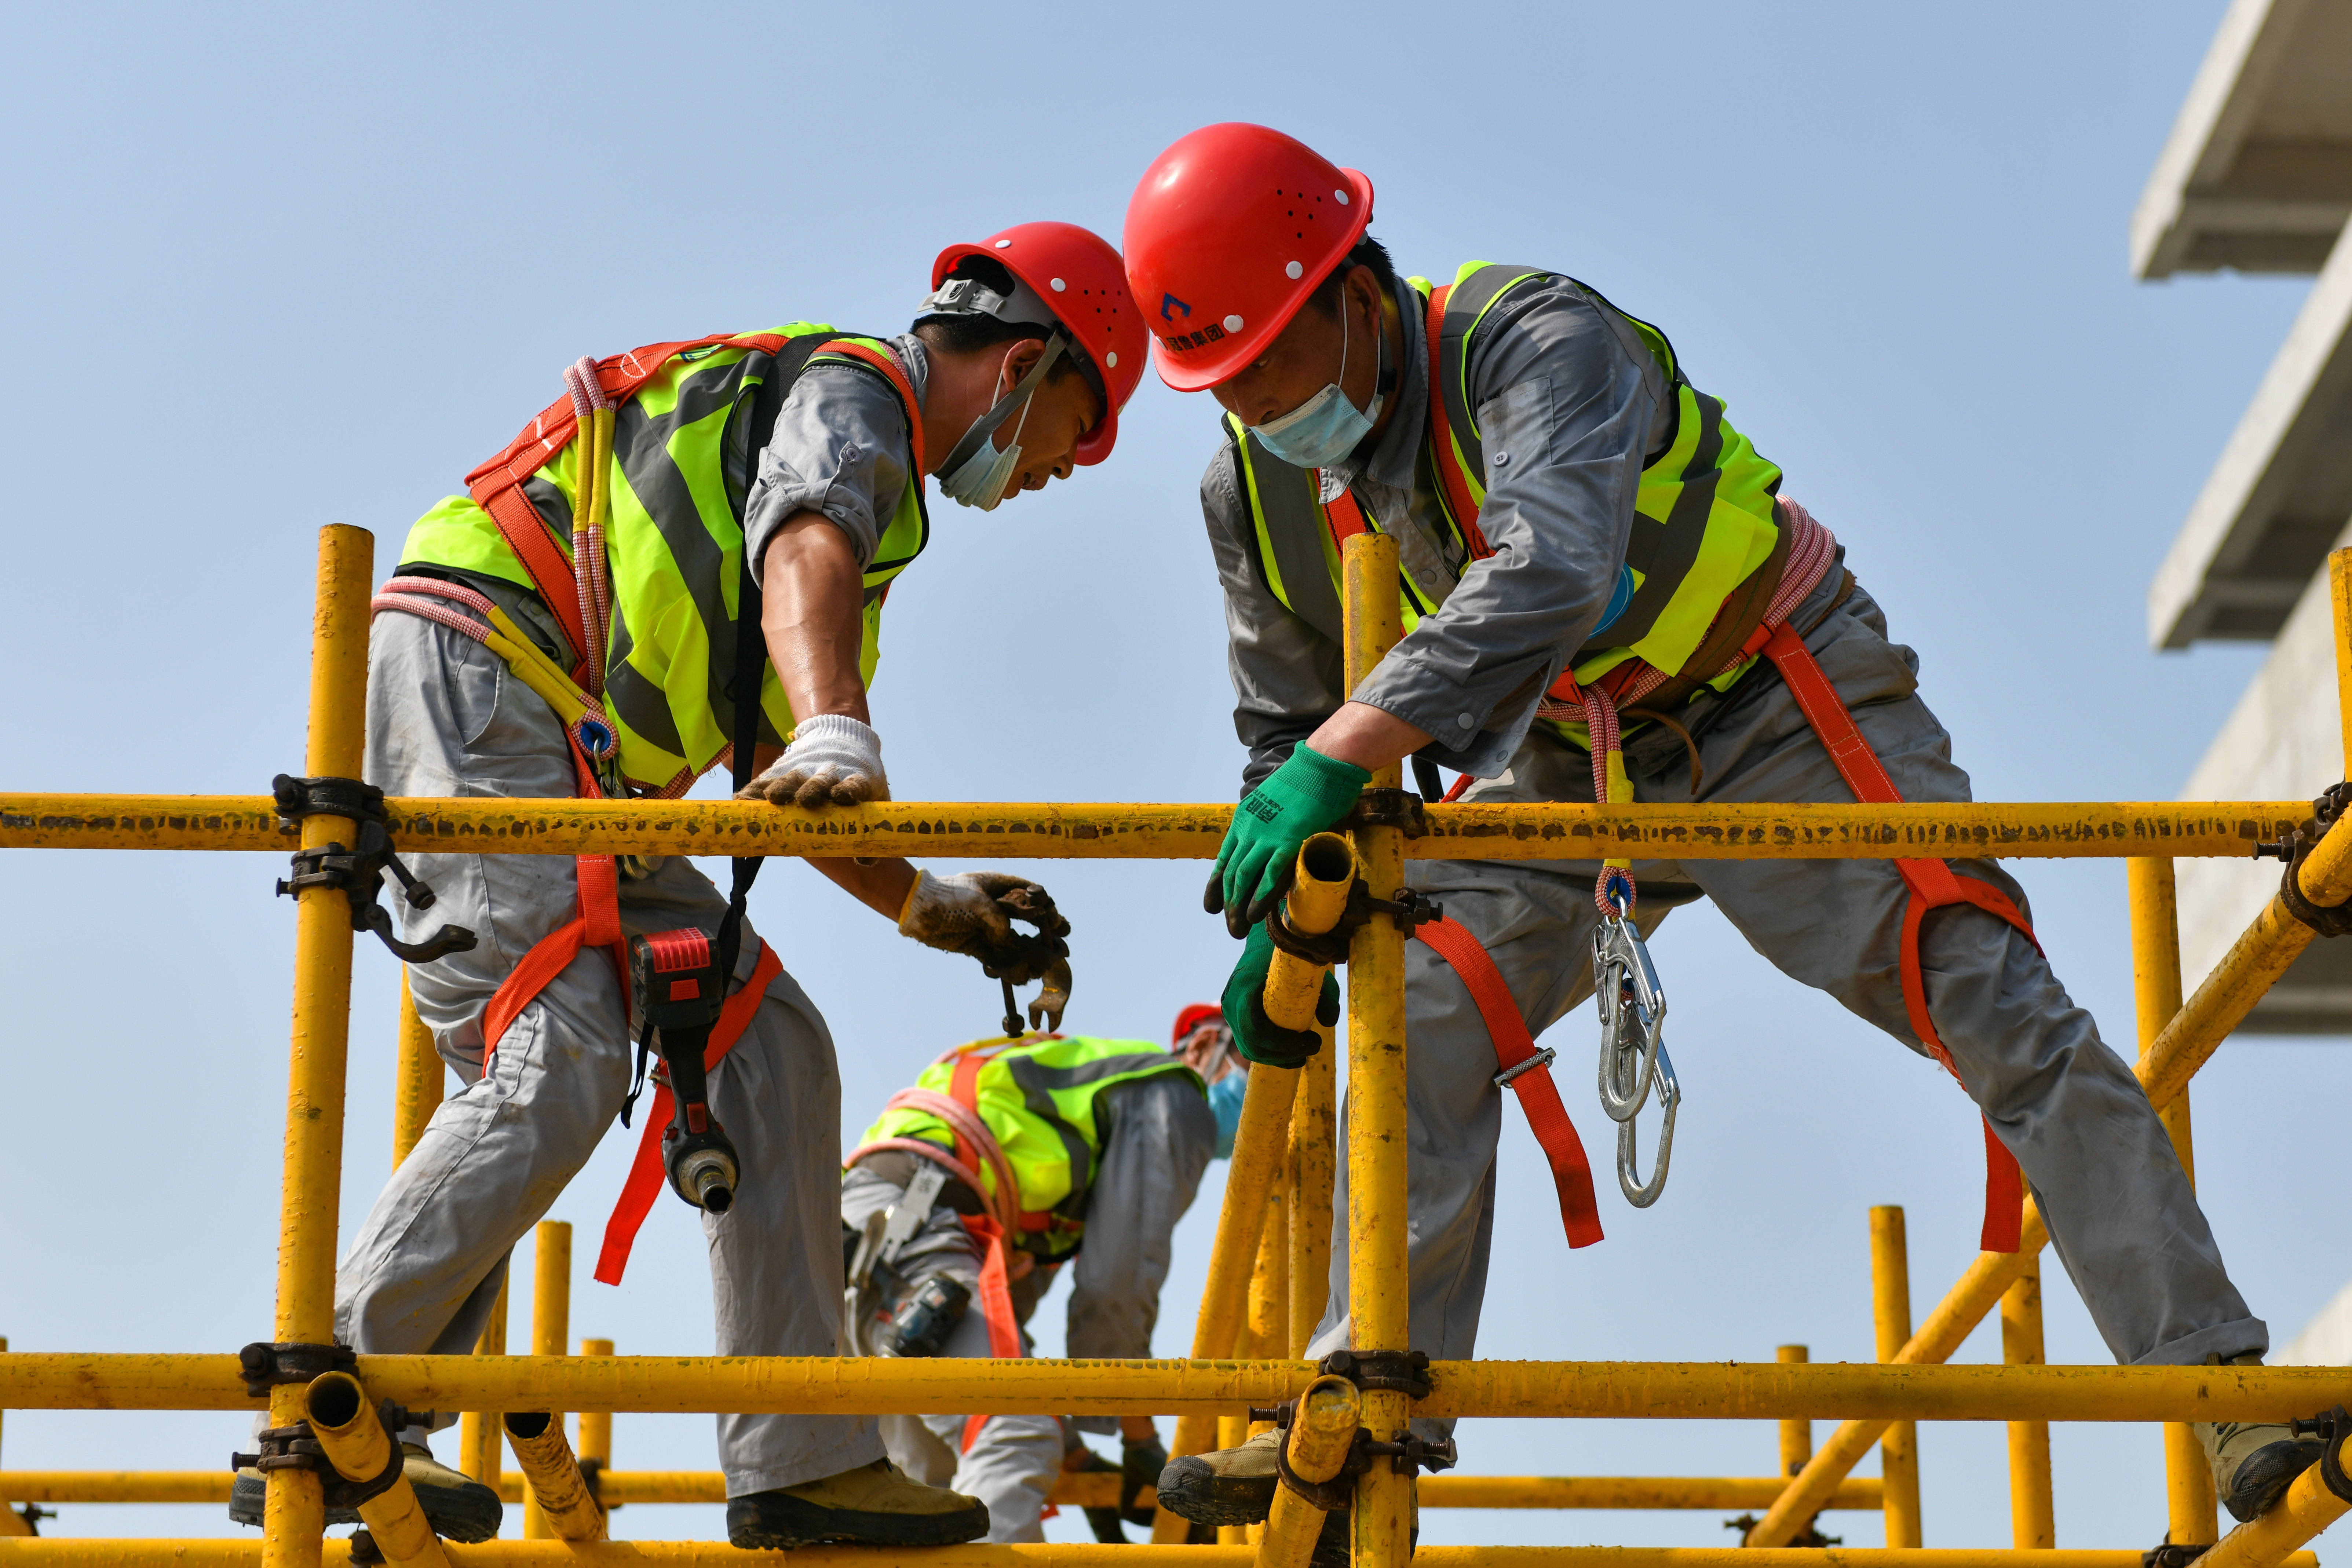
[1754, 623]
[694, 1012]
[993, 1231]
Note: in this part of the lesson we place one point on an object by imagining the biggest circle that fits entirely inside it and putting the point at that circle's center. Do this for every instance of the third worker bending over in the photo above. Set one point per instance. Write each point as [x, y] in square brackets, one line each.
[1007, 1160]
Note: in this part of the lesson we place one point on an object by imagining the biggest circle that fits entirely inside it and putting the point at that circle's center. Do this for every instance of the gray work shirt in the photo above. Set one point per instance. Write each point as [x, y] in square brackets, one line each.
[839, 449]
[1568, 417]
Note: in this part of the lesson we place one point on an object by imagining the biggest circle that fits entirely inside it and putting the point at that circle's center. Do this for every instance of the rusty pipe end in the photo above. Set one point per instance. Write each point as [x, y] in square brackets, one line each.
[1323, 1427]
[346, 1426]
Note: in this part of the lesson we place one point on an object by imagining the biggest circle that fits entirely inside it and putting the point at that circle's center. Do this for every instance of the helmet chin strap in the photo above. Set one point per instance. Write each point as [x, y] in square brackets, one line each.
[1004, 407]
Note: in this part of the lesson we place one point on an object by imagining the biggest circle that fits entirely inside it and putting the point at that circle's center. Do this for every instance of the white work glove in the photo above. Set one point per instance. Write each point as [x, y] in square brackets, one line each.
[832, 760]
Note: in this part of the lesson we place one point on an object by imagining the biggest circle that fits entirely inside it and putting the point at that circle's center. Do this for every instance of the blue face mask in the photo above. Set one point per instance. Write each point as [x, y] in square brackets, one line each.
[976, 473]
[1325, 429]
[1225, 1097]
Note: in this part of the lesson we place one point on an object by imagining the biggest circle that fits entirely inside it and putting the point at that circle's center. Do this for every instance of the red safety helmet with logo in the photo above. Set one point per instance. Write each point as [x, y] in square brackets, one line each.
[1229, 232]
[1080, 280]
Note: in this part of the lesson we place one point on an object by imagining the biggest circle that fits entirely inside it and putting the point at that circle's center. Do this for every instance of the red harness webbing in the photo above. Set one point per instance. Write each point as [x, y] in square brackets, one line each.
[995, 1275]
[645, 1173]
[1571, 1174]
[1932, 886]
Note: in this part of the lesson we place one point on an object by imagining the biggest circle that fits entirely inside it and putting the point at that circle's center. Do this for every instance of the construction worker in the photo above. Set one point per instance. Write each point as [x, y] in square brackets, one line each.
[1591, 551]
[571, 628]
[1008, 1159]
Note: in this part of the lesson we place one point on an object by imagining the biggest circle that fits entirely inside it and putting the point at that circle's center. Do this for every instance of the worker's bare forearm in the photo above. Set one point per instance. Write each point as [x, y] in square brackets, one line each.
[880, 885]
[1369, 737]
[814, 616]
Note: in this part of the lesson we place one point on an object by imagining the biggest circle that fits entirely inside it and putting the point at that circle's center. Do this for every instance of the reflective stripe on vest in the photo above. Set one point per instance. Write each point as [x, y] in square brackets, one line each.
[1038, 1098]
[682, 463]
[1703, 520]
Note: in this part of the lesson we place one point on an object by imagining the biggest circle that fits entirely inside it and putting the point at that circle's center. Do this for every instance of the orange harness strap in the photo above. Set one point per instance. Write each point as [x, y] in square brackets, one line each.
[995, 1272]
[1514, 1052]
[1932, 886]
[646, 1174]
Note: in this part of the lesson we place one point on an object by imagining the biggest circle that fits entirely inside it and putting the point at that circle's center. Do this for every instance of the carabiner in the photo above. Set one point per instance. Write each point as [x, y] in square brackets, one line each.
[1642, 1194]
[1632, 1016]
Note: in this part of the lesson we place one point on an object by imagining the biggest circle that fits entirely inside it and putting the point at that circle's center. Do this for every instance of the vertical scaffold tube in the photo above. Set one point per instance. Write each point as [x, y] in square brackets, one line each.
[2155, 984]
[478, 1430]
[1313, 1159]
[360, 1448]
[1321, 1429]
[2032, 1515]
[1796, 1436]
[293, 1515]
[417, 1083]
[1378, 1284]
[1890, 1292]
[596, 1429]
[2339, 594]
[1259, 1145]
[550, 1332]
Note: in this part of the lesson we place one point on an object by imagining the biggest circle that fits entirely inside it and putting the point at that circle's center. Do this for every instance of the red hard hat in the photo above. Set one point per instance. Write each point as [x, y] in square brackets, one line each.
[1078, 275]
[1228, 232]
[1192, 1017]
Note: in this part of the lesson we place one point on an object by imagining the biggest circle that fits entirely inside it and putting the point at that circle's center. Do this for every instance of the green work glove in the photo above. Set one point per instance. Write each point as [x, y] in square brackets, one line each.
[1262, 1039]
[1298, 800]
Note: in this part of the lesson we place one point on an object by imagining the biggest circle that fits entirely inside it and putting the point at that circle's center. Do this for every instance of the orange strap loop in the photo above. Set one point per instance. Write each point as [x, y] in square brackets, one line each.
[995, 1306]
[1571, 1174]
[645, 1173]
[1934, 886]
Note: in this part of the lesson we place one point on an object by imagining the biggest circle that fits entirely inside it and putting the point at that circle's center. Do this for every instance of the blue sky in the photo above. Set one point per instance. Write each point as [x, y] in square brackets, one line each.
[269, 268]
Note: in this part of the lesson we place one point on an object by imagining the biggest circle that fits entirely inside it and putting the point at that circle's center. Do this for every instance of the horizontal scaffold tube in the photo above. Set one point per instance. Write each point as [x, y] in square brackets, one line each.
[1715, 1391]
[247, 1553]
[1120, 832]
[1080, 1489]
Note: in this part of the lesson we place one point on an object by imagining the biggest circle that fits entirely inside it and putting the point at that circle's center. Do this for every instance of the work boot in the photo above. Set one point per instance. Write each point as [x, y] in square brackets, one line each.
[2253, 1463]
[457, 1506]
[874, 1505]
[1225, 1486]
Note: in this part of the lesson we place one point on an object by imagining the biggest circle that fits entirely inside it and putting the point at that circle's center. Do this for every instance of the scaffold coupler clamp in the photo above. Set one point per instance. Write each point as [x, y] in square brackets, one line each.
[675, 977]
[1634, 1058]
[1384, 805]
[357, 872]
[2327, 919]
[2332, 1428]
[1409, 908]
[266, 1365]
[2169, 1553]
[1385, 1372]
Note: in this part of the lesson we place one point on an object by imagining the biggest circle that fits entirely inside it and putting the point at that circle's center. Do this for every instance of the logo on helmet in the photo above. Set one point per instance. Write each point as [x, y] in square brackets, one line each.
[1170, 307]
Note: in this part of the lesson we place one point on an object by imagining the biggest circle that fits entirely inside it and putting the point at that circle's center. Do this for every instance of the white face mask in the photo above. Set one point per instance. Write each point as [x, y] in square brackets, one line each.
[980, 477]
[1325, 429]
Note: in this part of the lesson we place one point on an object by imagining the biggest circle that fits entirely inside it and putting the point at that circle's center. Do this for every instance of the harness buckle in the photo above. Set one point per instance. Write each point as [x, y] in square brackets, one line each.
[1542, 1058]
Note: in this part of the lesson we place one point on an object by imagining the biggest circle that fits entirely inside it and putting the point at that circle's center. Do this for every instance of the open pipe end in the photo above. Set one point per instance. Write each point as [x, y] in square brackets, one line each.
[1327, 857]
[335, 1402]
[527, 1424]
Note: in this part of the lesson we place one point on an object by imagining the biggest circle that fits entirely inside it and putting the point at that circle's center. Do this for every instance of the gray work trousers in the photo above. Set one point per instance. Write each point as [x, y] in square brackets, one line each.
[445, 718]
[2099, 1164]
[1012, 1462]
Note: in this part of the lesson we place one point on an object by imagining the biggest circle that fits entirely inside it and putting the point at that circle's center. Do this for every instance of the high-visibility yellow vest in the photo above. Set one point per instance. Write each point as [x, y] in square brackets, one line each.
[1037, 1098]
[684, 453]
[1704, 524]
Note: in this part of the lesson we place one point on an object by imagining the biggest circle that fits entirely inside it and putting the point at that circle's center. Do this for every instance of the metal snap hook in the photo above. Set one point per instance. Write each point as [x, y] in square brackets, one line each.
[1640, 1193]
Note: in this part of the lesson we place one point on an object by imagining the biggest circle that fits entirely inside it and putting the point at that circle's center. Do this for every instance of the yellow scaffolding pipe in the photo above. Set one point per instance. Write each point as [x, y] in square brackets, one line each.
[247, 1553]
[1081, 1489]
[2032, 1512]
[1312, 1159]
[1559, 1390]
[479, 1452]
[1796, 1436]
[2189, 1504]
[597, 1435]
[356, 1443]
[1378, 1290]
[550, 1330]
[11, 1523]
[293, 1511]
[419, 1081]
[1890, 1299]
[1110, 831]
[1259, 1144]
